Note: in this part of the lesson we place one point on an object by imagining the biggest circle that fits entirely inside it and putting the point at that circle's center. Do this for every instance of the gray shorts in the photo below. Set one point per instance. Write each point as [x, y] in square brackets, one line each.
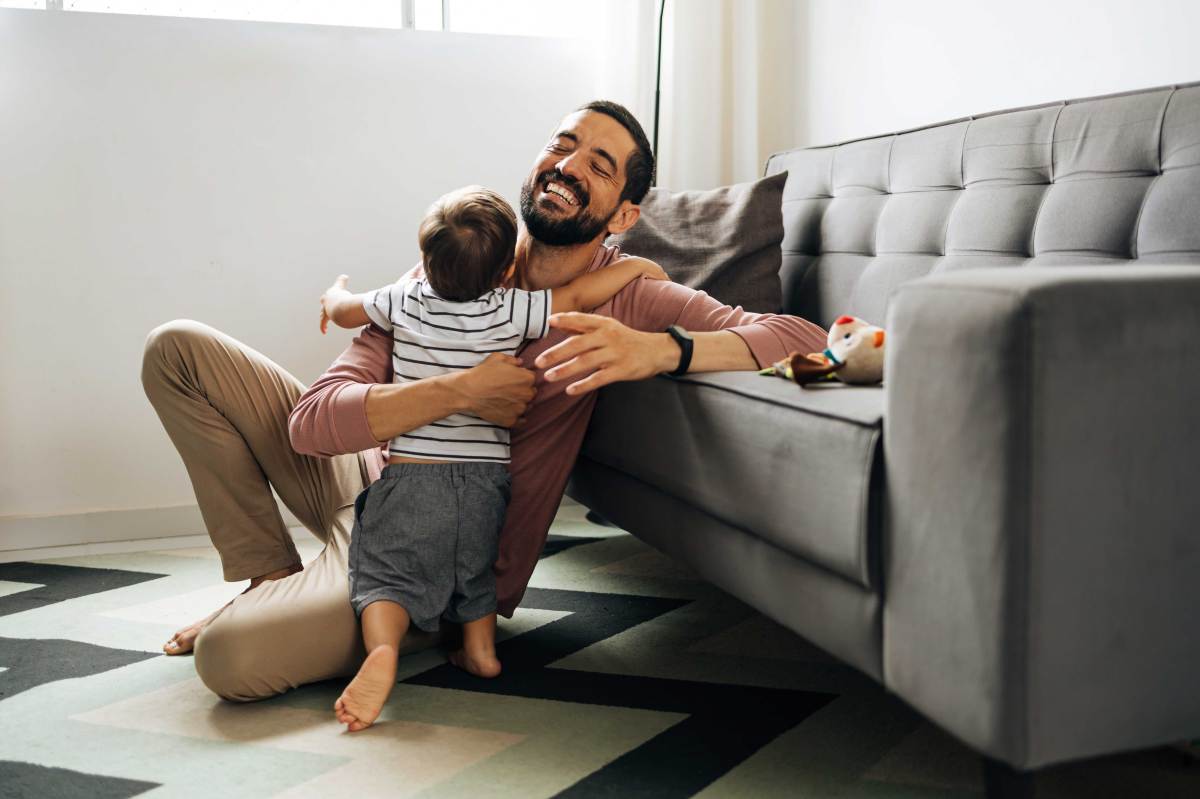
[425, 537]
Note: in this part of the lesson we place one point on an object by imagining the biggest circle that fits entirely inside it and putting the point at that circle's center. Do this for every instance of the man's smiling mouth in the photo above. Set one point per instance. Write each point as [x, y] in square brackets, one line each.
[561, 194]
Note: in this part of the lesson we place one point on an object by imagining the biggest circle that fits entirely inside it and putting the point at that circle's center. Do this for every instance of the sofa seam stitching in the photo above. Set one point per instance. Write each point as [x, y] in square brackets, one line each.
[863, 521]
[1037, 218]
[962, 156]
[805, 559]
[776, 403]
[1137, 222]
[918, 285]
[1023, 572]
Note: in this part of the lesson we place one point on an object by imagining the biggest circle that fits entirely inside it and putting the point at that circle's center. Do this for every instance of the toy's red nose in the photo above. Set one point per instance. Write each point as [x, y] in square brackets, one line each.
[841, 320]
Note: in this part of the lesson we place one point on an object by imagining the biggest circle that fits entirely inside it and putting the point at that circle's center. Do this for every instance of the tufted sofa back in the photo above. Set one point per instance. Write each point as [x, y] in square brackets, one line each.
[1105, 180]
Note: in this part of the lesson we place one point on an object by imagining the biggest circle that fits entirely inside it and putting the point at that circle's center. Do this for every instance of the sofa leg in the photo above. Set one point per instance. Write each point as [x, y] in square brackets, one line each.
[1002, 781]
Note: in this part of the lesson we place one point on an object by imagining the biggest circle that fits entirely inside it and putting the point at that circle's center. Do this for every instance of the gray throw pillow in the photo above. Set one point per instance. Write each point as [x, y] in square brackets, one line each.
[725, 241]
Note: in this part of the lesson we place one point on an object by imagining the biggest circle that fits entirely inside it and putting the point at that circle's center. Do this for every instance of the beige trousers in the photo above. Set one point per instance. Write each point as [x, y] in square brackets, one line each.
[225, 407]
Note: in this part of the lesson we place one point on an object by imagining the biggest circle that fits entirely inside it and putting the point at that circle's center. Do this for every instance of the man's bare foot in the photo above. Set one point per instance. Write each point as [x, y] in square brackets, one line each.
[481, 664]
[184, 640]
[364, 697]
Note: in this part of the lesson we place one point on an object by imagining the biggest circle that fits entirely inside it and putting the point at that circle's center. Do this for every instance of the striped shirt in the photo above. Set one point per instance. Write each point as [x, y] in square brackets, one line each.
[432, 336]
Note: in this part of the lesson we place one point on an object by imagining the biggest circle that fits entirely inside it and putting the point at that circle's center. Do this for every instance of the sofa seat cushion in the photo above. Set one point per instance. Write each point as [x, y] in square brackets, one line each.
[799, 468]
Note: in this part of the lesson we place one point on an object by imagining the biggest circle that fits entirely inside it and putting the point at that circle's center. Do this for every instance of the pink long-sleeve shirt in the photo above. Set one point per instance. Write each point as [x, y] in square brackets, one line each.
[330, 418]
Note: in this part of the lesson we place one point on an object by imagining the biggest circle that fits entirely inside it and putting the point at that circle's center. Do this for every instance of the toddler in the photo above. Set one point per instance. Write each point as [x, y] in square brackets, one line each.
[425, 533]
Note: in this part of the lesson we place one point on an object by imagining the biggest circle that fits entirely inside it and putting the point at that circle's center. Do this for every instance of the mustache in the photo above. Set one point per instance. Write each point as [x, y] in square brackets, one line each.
[565, 181]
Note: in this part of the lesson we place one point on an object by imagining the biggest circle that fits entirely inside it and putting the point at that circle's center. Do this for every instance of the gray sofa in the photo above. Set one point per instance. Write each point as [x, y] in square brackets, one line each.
[1007, 534]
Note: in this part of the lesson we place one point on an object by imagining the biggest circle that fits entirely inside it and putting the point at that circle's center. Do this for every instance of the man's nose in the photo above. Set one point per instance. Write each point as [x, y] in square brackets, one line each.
[570, 166]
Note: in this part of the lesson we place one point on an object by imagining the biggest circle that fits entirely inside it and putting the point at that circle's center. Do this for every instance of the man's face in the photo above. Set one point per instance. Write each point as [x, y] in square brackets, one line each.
[575, 187]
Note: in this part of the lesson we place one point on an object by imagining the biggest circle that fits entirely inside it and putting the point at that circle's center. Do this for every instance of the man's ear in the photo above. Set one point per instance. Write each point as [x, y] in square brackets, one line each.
[626, 216]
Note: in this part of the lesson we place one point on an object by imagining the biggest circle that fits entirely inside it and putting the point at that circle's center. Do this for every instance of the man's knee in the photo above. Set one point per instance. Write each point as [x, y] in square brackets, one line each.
[226, 659]
[171, 337]
[164, 345]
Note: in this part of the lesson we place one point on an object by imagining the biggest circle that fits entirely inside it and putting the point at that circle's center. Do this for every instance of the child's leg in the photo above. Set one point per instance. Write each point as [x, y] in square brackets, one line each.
[384, 625]
[483, 503]
[478, 653]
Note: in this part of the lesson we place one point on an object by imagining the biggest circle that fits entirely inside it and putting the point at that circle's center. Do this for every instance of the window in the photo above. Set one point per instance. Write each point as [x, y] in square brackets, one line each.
[556, 18]
[362, 13]
[563, 18]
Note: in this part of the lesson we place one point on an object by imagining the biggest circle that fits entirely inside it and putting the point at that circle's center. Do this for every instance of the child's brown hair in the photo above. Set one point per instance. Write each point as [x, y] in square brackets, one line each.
[467, 239]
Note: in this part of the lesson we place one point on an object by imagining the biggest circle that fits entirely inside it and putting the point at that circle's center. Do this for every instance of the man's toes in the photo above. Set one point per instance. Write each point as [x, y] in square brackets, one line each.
[176, 646]
[180, 643]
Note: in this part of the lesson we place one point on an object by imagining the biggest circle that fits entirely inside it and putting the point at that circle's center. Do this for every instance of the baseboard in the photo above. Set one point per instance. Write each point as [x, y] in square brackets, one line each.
[103, 527]
[111, 531]
[104, 548]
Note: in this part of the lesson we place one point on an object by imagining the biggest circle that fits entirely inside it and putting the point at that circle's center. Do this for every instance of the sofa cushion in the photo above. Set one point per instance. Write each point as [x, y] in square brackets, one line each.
[725, 241]
[799, 468]
[1102, 180]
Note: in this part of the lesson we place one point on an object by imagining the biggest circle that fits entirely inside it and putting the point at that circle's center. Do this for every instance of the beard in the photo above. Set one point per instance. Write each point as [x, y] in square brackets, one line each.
[581, 228]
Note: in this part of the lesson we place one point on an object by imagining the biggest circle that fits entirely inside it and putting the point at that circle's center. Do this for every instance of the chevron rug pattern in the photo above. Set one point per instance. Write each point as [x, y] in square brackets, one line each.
[625, 676]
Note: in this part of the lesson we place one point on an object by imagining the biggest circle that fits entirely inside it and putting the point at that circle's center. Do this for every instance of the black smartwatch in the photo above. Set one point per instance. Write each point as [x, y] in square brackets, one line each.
[685, 348]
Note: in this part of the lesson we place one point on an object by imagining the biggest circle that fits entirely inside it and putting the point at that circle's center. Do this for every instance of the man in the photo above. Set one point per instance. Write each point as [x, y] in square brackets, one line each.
[243, 425]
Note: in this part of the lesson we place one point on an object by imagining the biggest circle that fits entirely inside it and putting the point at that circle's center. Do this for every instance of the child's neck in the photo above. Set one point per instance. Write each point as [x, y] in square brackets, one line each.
[542, 266]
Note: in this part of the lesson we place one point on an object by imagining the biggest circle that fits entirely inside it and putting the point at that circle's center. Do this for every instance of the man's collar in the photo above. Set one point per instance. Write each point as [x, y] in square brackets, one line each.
[601, 256]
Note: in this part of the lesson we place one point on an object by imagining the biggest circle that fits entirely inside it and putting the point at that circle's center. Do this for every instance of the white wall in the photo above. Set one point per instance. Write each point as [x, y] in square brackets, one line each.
[154, 168]
[876, 66]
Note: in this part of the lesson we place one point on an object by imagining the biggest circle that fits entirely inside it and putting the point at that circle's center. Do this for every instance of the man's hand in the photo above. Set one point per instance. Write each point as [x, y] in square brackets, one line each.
[497, 390]
[606, 351]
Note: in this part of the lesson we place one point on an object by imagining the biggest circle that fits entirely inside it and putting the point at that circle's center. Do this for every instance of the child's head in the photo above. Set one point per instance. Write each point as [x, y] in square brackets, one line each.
[467, 241]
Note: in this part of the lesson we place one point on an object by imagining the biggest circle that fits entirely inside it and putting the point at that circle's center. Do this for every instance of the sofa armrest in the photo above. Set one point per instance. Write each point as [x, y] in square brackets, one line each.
[1042, 529]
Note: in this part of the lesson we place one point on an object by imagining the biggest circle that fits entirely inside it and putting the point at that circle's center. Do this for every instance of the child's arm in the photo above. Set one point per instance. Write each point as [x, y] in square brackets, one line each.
[596, 288]
[344, 308]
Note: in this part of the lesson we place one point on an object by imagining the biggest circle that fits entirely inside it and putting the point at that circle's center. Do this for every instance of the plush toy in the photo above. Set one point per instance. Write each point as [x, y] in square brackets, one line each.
[854, 355]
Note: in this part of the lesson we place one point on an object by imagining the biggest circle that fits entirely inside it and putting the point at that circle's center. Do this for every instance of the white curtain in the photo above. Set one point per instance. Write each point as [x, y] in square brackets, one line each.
[729, 81]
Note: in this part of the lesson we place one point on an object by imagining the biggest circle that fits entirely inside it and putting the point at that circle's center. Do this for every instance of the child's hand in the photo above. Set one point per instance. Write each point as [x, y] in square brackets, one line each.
[329, 300]
[654, 271]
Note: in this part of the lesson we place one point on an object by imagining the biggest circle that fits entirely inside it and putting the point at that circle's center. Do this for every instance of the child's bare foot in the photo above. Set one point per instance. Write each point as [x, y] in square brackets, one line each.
[364, 697]
[481, 664]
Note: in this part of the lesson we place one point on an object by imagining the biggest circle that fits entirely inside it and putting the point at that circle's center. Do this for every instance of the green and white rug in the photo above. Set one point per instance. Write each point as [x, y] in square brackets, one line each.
[624, 676]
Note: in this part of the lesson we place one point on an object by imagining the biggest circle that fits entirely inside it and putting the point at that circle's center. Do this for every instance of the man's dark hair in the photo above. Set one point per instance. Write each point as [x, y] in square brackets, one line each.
[639, 167]
[467, 241]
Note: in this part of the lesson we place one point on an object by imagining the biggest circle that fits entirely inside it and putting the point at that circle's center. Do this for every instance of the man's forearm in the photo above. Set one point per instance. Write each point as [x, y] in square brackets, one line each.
[715, 351]
[395, 408]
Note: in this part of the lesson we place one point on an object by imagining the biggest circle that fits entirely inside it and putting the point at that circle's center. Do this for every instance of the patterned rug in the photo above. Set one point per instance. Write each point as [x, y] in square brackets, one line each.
[624, 676]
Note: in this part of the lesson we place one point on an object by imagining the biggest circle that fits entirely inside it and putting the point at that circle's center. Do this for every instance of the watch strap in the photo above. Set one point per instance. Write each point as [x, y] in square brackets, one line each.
[685, 349]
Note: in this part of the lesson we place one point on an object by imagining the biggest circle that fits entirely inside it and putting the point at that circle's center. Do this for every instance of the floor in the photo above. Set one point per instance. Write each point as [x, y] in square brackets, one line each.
[625, 676]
